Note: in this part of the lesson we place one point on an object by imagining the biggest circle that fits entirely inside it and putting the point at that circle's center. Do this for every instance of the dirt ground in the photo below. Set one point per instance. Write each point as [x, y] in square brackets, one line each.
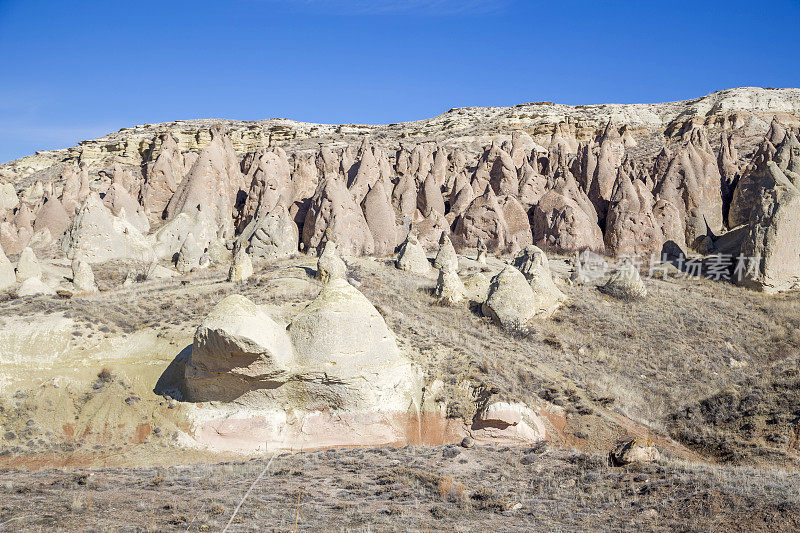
[445, 488]
[94, 434]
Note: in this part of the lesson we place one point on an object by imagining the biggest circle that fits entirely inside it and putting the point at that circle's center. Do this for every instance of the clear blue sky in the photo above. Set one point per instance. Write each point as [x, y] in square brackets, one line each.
[72, 70]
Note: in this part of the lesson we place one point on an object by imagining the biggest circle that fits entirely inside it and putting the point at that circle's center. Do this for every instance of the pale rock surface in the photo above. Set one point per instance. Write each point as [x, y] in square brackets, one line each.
[771, 235]
[341, 337]
[532, 262]
[446, 258]
[510, 421]
[333, 212]
[51, 216]
[167, 241]
[379, 214]
[512, 302]
[271, 236]
[329, 265]
[476, 287]
[162, 176]
[449, 288]
[692, 179]
[238, 349]
[241, 269]
[96, 236]
[189, 255]
[8, 276]
[625, 283]
[83, 277]
[638, 450]
[34, 287]
[631, 226]
[588, 267]
[213, 184]
[412, 258]
[8, 197]
[565, 219]
[28, 266]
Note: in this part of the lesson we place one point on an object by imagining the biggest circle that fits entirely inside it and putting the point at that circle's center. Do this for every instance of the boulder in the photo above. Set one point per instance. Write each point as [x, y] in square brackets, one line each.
[8, 197]
[634, 451]
[412, 257]
[510, 421]
[532, 263]
[28, 266]
[348, 357]
[512, 303]
[625, 283]
[476, 287]
[242, 267]
[238, 349]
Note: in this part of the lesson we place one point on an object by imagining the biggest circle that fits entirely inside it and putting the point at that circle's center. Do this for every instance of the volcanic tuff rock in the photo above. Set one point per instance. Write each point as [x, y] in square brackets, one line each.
[615, 179]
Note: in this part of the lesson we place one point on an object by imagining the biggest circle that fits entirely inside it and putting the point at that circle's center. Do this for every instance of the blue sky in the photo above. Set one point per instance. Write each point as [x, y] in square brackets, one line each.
[72, 70]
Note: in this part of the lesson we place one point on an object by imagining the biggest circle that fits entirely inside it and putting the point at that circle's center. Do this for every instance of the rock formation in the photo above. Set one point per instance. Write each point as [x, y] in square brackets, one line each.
[242, 267]
[512, 303]
[28, 266]
[83, 277]
[330, 265]
[95, 235]
[625, 283]
[412, 257]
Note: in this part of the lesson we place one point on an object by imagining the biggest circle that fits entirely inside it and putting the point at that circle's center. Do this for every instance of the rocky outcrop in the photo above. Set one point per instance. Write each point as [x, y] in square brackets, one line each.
[333, 215]
[28, 266]
[7, 275]
[631, 226]
[449, 288]
[446, 258]
[242, 267]
[334, 376]
[212, 184]
[330, 265]
[564, 219]
[692, 180]
[380, 218]
[190, 255]
[162, 176]
[512, 303]
[270, 236]
[500, 222]
[83, 277]
[96, 236]
[748, 192]
[771, 247]
[412, 258]
[532, 263]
